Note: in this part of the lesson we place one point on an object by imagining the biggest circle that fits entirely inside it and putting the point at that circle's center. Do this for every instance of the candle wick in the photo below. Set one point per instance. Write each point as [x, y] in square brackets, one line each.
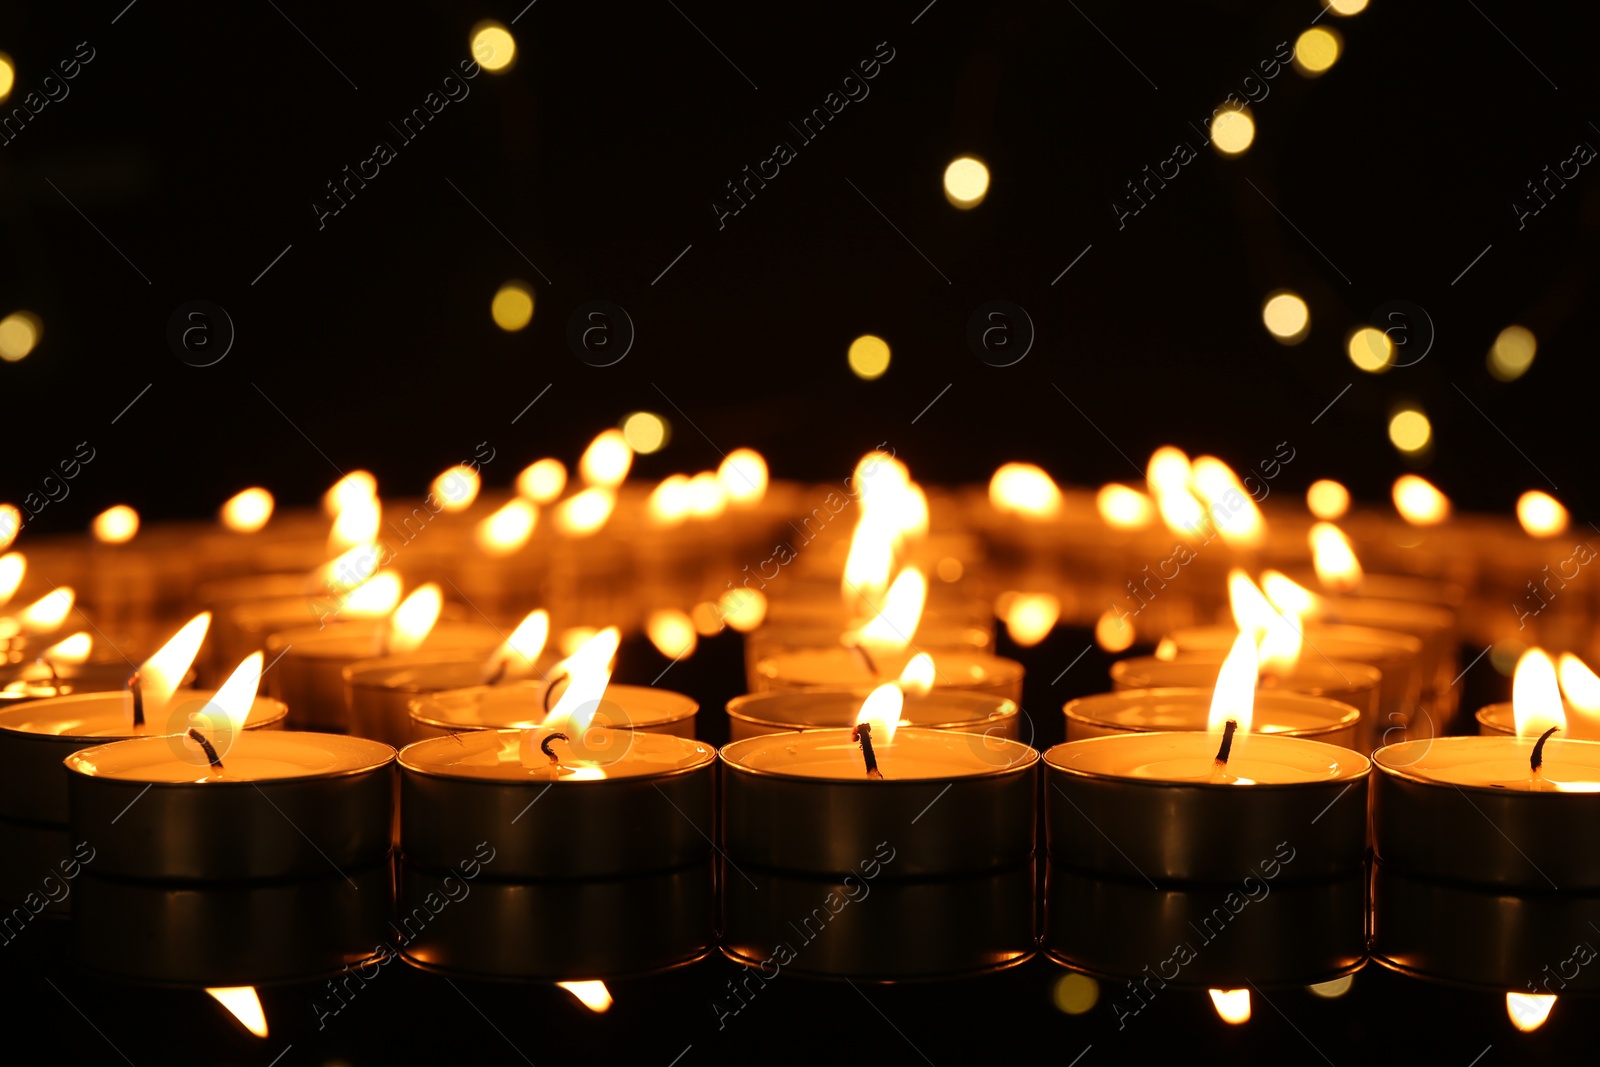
[1538, 751]
[55, 677]
[861, 650]
[550, 688]
[863, 733]
[544, 746]
[211, 753]
[1219, 767]
[497, 674]
[137, 690]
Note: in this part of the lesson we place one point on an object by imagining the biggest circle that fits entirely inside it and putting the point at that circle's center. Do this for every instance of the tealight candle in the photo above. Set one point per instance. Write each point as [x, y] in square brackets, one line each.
[755, 714]
[1144, 710]
[1346, 681]
[520, 705]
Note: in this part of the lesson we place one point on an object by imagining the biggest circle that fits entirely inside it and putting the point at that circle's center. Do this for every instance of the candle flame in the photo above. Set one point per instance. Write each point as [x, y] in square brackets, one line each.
[230, 706]
[896, 624]
[592, 995]
[13, 565]
[742, 609]
[1288, 595]
[589, 671]
[244, 1005]
[918, 676]
[1536, 696]
[882, 710]
[1168, 475]
[672, 632]
[1238, 519]
[517, 654]
[162, 674]
[870, 563]
[574, 638]
[1233, 1005]
[1235, 694]
[508, 529]
[351, 567]
[1528, 1011]
[1327, 499]
[1278, 638]
[1580, 685]
[1124, 508]
[1418, 502]
[10, 523]
[247, 510]
[74, 649]
[1031, 616]
[353, 487]
[1113, 632]
[743, 474]
[373, 598]
[455, 488]
[670, 501]
[542, 481]
[1024, 489]
[606, 461]
[708, 498]
[413, 620]
[586, 512]
[356, 524]
[1541, 514]
[46, 614]
[1334, 559]
[116, 525]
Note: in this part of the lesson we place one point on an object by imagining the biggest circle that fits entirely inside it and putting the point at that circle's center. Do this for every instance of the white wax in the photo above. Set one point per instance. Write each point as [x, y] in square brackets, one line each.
[256, 756]
[110, 714]
[1497, 763]
[913, 754]
[845, 667]
[497, 755]
[1255, 759]
[520, 705]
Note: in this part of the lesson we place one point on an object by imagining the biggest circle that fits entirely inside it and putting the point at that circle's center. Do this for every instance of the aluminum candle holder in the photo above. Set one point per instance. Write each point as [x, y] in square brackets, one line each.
[649, 812]
[1467, 809]
[557, 930]
[37, 736]
[1346, 681]
[643, 709]
[755, 714]
[1501, 719]
[975, 672]
[1136, 806]
[1207, 937]
[286, 804]
[935, 635]
[33, 681]
[378, 692]
[1154, 710]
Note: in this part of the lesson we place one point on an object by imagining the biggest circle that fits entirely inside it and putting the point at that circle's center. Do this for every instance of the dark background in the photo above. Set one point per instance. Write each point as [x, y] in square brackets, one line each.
[199, 136]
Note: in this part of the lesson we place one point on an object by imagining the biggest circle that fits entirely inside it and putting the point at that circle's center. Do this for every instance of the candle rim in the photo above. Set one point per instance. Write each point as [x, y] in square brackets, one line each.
[422, 658]
[1386, 647]
[278, 712]
[1370, 676]
[1009, 670]
[709, 757]
[1025, 763]
[75, 760]
[1004, 707]
[1264, 699]
[1211, 737]
[301, 641]
[1525, 744]
[688, 706]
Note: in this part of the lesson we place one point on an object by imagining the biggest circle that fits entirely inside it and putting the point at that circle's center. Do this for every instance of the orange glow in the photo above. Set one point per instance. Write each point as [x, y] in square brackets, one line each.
[585, 513]
[896, 624]
[882, 710]
[116, 525]
[574, 638]
[456, 487]
[542, 481]
[373, 598]
[1418, 502]
[1536, 696]
[10, 523]
[670, 501]
[46, 614]
[162, 674]
[1235, 695]
[413, 620]
[743, 474]
[592, 995]
[708, 618]
[589, 671]
[708, 498]
[1334, 559]
[1031, 616]
[229, 707]
[244, 1005]
[1579, 684]
[356, 524]
[1289, 596]
[1024, 489]
[508, 529]
[1327, 499]
[13, 565]
[1123, 508]
[351, 567]
[672, 632]
[247, 511]
[1233, 1005]
[74, 649]
[743, 609]
[517, 654]
[1168, 475]
[606, 461]
[1528, 1011]
[353, 487]
[1541, 514]
[1113, 633]
[918, 675]
[1237, 518]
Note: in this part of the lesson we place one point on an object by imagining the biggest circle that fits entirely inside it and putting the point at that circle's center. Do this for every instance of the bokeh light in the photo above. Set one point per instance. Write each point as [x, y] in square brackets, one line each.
[966, 182]
[1113, 632]
[19, 333]
[493, 47]
[1541, 514]
[1370, 349]
[1286, 317]
[645, 432]
[116, 525]
[542, 480]
[1327, 499]
[1347, 7]
[512, 306]
[869, 357]
[1410, 430]
[1512, 353]
[248, 510]
[1316, 50]
[1075, 994]
[1338, 987]
[8, 75]
[1232, 131]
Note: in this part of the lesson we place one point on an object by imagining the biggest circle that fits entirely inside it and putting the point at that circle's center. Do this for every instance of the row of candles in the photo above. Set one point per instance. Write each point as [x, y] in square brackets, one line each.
[898, 730]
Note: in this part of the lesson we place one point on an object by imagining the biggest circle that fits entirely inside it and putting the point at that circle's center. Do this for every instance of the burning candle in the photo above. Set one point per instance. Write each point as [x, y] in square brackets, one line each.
[1580, 690]
[755, 714]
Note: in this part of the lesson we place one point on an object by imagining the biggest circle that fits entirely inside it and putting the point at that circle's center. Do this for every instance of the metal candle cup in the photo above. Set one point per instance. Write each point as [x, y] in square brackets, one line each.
[755, 714]
[34, 681]
[37, 736]
[648, 813]
[1467, 809]
[803, 802]
[935, 636]
[1141, 806]
[520, 705]
[379, 692]
[974, 672]
[285, 804]
[1346, 681]
[1149, 710]
[1500, 719]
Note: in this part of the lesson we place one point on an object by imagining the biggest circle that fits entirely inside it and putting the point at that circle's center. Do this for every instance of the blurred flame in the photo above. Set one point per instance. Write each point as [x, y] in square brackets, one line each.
[1238, 520]
[231, 703]
[244, 1005]
[74, 649]
[1235, 695]
[455, 488]
[743, 609]
[247, 510]
[1024, 489]
[574, 638]
[1031, 616]
[918, 675]
[1327, 499]
[1123, 508]
[896, 624]
[592, 995]
[1541, 514]
[542, 481]
[522, 649]
[353, 487]
[1334, 559]
[672, 632]
[116, 525]
[413, 620]
[1579, 683]
[162, 674]
[507, 529]
[1528, 1011]
[585, 513]
[1233, 1005]
[743, 474]
[356, 524]
[1289, 596]
[589, 671]
[351, 567]
[46, 614]
[12, 567]
[606, 461]
[708, 498]
[670, 501]
[1112, 632]
[870, 562]
[1166, 650]
[1536, 696]
[1277, 637]
[1168, 474]
[10, 523]
[373, 598]
[708, 616]
[1418, 502]
[882, 710]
